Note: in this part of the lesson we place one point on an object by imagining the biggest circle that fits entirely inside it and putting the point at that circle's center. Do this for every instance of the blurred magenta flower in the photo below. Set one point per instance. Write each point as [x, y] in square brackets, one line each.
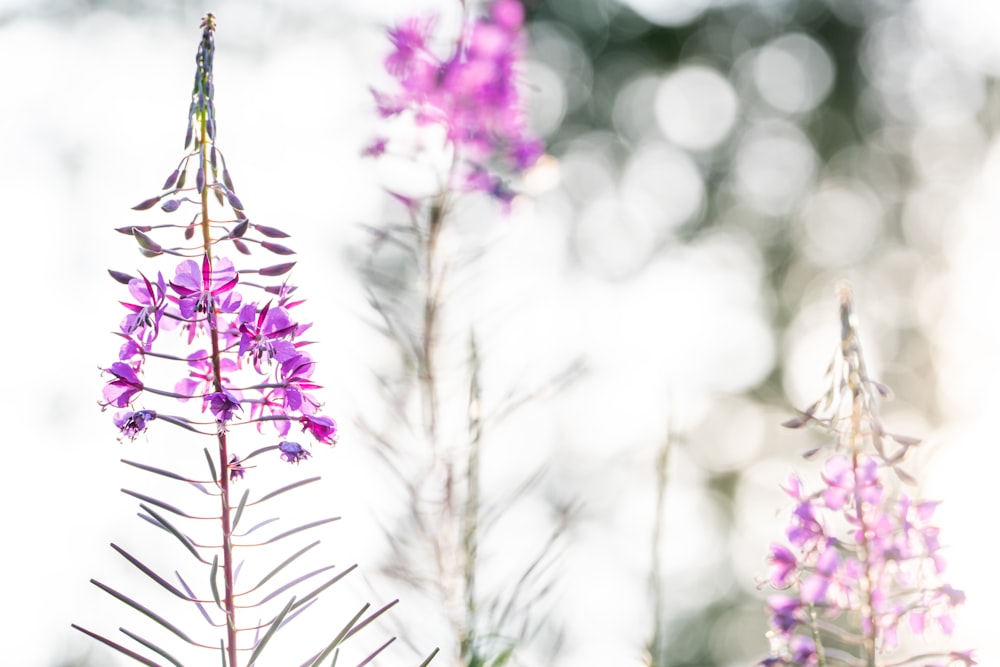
[471, 92]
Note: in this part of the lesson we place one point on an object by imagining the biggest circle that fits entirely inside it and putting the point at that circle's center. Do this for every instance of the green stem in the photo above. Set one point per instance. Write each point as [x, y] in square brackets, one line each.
[227, 530]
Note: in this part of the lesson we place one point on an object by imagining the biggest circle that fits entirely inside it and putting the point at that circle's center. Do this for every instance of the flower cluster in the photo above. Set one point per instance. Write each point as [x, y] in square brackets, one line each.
[471, 93]
[250, 365]
[862, 563]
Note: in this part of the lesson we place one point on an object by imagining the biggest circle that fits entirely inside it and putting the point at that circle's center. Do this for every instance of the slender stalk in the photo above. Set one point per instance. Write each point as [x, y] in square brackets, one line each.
[227, 532]
[470, 518]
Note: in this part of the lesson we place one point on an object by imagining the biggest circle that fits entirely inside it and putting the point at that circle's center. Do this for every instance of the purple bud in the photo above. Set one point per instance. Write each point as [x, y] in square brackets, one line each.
[127, 231]
[277, 269]
[241, 246]
[171, 179]
[277, 249]
[145, 242]
[212, 159]
[210, 126]
[240, 229]
[123, 278]
[149, 203]
[189, 232]
[199, 180]
[183, 179]
[171, 205]
[228, 182]
[234, 201]
[271, 232]
[190, 133]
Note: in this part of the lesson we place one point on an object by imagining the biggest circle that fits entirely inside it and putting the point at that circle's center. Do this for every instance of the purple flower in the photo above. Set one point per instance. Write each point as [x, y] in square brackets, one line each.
[293, 452]
[236, 469]
[199, 288]
[144, 318]
[132, 424]
[223, 405]
[120, 391]
[782, 566]
[472, 93]
[261, 334]
[324, 429]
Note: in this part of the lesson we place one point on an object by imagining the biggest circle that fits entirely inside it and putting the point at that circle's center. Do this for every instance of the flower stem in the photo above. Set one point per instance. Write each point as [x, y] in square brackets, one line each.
[227, 531]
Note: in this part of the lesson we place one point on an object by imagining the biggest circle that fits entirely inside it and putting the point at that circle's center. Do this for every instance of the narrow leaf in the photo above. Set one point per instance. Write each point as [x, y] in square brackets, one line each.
[213, 582]
[288, 561]
[294, 582]
[361, 626]
[270, 631]
[376, 652]
[429, 658]
[338, 639]
[211, 466]
[151, 646]
[303, 527]
[149, 573]
[158, 471]
[316, 591]
[163, 505]
[287, 487]
[240, 507]
[143, 610]
[276, 248]
[181, 537]
[116, 646]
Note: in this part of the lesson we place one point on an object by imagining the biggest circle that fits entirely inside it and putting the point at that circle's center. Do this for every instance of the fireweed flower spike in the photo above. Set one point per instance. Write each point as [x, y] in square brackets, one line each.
[862, 566]
[232, 335]
[460, 97]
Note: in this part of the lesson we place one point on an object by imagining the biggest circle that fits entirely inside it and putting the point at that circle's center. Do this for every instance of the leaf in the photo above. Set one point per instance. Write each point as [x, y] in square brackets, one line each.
[211, 466]
[288, 561]
[149, 573]
[361, 626]
[212, 581]
[376, 652]
[288, 487]
[147, 203]
[276, 248]
[429, 658]
[162, 505]
[331, 582]
[158, 471]
[277, 269]
[181, 537]
[295, 582]
[240, 508]
[338, 639]
[116, 646]
[143, 610]
[303, 527]
[123, 278]
[151, 646]
[271, 232]
[270, 631]
[145, 242]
